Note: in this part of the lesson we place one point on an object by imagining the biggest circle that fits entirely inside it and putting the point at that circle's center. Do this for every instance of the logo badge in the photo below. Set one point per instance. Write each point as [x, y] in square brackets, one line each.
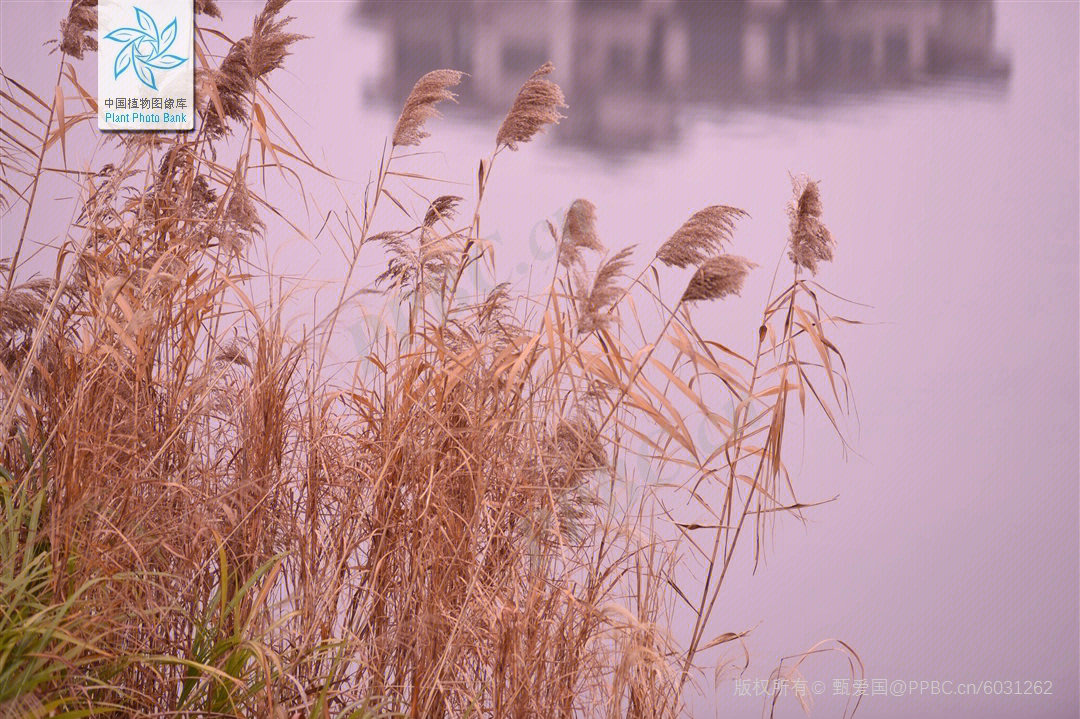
[146, 77]
[145, 48]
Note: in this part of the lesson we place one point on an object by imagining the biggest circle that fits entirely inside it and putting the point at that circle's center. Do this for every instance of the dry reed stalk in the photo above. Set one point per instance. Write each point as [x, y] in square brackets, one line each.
[784, 322]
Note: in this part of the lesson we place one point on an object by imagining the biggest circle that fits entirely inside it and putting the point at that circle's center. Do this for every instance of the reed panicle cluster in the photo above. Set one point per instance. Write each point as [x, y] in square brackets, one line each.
[718, 277]
[701, 237]
[503, 502]
[441, 209]
[22, 306]
[269, 42]
[811, 242]
[78, 30]
[604, 293]
[579, 233]
[420, 106]
[537, 104]
[207, 7]
[228, 91]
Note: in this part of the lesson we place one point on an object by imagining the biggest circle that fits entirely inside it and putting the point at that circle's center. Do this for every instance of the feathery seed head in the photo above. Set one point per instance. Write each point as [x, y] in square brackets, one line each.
[429, 91]
[700, 237]
[441, 208]
[577, 441]
[605, 292]
[579, 232]
[207, 7]
[22, 305]
[718, 277]
[536, 105]
[811, 242]
[269, 45]
[233, 352]
[78, 31]
[249, 60]
[241, 217]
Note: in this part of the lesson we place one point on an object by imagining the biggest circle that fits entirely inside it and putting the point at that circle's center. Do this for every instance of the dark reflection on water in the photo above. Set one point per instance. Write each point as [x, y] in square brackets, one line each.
[629, 67]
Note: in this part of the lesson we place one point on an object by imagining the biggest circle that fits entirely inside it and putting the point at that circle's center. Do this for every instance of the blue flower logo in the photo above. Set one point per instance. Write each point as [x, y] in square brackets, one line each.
[145, 48]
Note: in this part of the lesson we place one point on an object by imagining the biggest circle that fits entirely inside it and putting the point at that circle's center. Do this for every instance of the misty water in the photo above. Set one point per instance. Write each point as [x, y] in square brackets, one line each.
[951, 553]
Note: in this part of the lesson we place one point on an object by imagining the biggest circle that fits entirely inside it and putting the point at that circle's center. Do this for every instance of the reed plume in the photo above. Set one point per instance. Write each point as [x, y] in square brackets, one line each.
[269, 43]
[604, 293]
[21, 306]
[420, 106]
[579, 233]
[226, 90]
[811, 242]
[78, 30]
[207, 7]
[537, 104]
[441, 208]
[424, 259]
[718, 277]
[241, 222]
[571, 454]
[700, 237]
[233, 352]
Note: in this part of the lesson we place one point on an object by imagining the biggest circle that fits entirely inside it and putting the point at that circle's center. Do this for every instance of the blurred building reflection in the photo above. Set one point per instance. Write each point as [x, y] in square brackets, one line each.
[627, 65]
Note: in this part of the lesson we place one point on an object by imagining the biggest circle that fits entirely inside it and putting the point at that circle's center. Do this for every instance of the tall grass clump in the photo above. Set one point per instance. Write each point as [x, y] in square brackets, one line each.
[206, 514]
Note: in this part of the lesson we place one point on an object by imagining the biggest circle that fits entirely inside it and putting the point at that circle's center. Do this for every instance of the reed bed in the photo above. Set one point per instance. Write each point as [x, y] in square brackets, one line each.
[202, 518]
